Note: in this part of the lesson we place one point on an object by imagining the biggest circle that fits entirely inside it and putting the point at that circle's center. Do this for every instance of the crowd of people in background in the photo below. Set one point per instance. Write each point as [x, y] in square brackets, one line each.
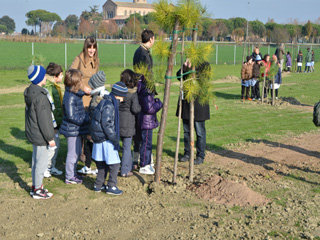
[94, 120]
[256, 67]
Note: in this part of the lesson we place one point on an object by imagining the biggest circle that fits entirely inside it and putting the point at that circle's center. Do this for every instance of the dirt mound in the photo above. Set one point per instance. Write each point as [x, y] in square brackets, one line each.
[289, 100]
[230, 78]
[227, 192]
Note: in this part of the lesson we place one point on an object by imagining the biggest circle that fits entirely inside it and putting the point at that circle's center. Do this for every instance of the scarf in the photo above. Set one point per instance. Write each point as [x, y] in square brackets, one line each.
[116, 119]
[52, 108]
[101, 91]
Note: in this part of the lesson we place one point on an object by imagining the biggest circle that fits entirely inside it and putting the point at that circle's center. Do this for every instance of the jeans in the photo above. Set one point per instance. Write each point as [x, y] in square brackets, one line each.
[146, 147]
[126, 161]
[200, 128]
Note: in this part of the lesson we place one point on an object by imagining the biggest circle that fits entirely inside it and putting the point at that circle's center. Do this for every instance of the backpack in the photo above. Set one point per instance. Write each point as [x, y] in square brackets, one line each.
[316, 114]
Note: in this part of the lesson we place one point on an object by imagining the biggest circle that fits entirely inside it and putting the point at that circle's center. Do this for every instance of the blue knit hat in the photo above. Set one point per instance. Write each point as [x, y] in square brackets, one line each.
[119, 89]
[36, 73]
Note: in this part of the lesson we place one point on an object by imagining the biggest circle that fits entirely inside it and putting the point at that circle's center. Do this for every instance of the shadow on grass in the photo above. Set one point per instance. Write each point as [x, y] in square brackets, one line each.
[228, 95]
[9, 167]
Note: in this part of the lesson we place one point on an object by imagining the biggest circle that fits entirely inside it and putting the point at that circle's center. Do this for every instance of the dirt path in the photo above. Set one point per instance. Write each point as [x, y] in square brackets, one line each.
[285, 173]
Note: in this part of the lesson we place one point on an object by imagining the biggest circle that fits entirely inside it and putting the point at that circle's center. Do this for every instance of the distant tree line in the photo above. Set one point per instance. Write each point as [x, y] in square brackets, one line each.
[91, 23]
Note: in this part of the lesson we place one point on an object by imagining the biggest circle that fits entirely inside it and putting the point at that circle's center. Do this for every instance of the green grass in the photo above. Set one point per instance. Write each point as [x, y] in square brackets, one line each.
[112, 54]
[233, 122]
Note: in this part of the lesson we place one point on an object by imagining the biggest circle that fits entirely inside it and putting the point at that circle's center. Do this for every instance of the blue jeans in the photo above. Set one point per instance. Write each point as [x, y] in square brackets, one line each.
[146, 147]
[126, 161]
[200, 128]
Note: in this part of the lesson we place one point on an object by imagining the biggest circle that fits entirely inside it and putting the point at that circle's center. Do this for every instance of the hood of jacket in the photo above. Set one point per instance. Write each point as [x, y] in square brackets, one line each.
[80, 93]
[32, 92]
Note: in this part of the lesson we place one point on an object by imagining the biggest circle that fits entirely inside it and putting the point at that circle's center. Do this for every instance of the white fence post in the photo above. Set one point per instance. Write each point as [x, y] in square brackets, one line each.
[32, 52]
[124, 54]
[235, 50]
[65, 56]
[216, 54]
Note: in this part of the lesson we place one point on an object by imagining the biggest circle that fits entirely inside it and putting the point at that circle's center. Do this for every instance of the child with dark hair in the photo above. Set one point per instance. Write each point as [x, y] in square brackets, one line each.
[128, 109]
[54, 74]
[308, 61]
[288, 62]
[148, 121]
[75, 122]
[39, 128]
[312, 62]
[105, 135]
[299, 61]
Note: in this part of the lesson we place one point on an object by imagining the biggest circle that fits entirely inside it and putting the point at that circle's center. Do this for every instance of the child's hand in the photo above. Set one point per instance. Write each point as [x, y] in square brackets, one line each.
[52, 143]
[87, 90]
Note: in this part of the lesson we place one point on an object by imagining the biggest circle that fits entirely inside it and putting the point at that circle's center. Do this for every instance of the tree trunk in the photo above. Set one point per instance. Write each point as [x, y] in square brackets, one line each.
[166, 101]
[273, 91]
[175, 166]
[191, 117]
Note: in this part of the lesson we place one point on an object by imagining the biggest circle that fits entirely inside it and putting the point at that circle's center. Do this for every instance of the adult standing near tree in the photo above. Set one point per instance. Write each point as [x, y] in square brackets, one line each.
[280, 53]
[256, 52]
[201, 114]
[88, 63]
[142, 56]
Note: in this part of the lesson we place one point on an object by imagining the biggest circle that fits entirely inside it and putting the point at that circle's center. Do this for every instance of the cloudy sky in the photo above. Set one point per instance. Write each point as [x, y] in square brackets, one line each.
[280, 10]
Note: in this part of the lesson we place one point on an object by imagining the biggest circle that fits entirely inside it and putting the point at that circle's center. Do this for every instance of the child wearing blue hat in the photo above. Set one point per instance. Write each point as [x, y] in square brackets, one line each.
[38, 128]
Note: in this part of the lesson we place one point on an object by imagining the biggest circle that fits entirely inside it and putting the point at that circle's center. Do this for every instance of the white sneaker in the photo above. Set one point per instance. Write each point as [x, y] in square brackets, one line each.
[148, 169]
[95, 171]
[55, 171]
[47, 173]
[85, 170]
[276, 98]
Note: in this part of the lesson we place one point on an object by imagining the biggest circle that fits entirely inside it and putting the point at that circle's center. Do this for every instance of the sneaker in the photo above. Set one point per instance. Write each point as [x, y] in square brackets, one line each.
[259, 99]
[41, 193]
[185, 158]
[253, 99]
[198, 161]
[146, 170]
[55, 171]
[249, 99]
[243, 99]
[276, 98]
[95, 171]
[73, 180]
[129, 174]
[47, 173]
[85, 170]
[97, 190]
[46, 190]
[113, 191]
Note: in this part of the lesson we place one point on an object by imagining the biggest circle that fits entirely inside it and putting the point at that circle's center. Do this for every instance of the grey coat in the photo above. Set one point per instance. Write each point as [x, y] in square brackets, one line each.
[38, 117]
[127, 111]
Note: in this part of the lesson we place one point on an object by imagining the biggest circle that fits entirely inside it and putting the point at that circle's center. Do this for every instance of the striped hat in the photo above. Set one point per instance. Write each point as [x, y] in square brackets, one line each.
[36, 73]
[119, 89]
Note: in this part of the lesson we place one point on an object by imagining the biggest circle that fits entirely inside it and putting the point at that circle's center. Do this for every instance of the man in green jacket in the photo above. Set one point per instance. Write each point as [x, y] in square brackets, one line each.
[280, 53]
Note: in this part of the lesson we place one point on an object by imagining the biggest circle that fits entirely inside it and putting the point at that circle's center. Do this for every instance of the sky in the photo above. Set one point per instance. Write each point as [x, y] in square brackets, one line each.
[280, 10]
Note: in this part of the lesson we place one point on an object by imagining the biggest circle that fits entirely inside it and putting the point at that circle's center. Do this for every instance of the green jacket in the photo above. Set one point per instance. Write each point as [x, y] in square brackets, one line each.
[55, 92]
[309, 57]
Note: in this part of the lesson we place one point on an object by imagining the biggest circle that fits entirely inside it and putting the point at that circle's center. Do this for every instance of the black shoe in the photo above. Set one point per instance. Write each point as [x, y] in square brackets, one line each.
[198, 161]
[185, 158]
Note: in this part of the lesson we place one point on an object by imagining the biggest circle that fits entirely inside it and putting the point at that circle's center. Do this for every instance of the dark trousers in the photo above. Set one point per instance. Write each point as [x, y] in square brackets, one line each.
[88, 145]
[299, 69]
[244, 89]
[276, 92]
[255, 91]
[146, 147]
[103, 170]
[200, 128]
[126, 161]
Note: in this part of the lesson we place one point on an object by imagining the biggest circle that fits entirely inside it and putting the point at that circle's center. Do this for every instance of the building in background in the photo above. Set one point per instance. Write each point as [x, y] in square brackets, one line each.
[120, 11]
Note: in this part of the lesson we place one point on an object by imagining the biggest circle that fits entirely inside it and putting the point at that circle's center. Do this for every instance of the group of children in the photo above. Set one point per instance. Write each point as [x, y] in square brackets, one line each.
[253, 71]
[309, 66]
[111, 117]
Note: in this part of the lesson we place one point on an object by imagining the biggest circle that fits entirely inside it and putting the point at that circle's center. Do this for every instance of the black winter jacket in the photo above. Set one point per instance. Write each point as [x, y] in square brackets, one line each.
[143, 56]
[38, 117]
[127, 111]
[103, 122]
[75, 119]
[201, 112]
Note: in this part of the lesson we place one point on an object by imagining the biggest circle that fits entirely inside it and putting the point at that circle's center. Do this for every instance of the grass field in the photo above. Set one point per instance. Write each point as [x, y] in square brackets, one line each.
[110, 54]
[233, 122]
